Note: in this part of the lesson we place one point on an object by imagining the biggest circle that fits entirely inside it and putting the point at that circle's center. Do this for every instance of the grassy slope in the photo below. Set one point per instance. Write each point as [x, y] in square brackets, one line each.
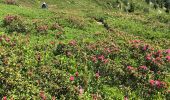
[81, 13]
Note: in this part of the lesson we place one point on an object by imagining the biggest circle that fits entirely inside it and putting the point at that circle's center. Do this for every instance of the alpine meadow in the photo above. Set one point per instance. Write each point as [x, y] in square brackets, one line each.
[84, 49]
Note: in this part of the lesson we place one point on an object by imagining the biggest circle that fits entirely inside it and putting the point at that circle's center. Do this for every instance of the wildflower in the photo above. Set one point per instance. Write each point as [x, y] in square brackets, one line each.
[152, 82]
[130, 68]
[125, 98]
[71, 78]
[145, 47]
[7, 39]
[53, 98]
[135, 41]
[4, 98]
[101, 58]
[158, 83]
[168, 58]
[148, 57]
[81, 91]
[77, 74]
[143, 67]
[158, 53]
[168, 51]
[42, 95]
[97, 75]
[107, 50]
[72, 43]
[94, 59]
[158, 59]
[106, 61]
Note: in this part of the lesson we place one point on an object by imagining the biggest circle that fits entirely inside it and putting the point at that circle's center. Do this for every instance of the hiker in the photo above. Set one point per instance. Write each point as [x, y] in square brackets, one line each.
[44, 6]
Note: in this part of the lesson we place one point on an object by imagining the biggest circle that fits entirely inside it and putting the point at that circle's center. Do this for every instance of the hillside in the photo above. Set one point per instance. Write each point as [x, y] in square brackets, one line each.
[84, 50]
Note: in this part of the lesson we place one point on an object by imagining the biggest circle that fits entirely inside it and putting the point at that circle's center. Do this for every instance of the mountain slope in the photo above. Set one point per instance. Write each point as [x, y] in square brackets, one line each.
[83, 50]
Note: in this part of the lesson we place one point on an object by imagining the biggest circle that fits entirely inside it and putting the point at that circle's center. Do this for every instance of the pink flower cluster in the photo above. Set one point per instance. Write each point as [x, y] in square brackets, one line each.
[9, 18]
[168, 51]
[100, 58]
[4, 98]
[143, 67]
[157, 83]
[155, 57]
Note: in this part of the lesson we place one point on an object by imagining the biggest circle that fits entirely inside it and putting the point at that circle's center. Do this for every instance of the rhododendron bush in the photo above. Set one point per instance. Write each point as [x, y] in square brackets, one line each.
[64, 56]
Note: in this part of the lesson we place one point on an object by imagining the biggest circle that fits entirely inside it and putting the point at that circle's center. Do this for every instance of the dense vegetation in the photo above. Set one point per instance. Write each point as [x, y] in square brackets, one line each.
[85, 50]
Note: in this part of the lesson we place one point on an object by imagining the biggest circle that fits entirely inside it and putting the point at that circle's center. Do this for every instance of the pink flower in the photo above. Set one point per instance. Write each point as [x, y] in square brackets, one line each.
[53, 98]
[143, 67]
[158, 83]
[101, 58]
[168, 51]
[71, 78]
[158, 59]
[81, 91]
[72, 42]
[152, 82]
[148, 57]
[125, 98]
[42, 95]
[158, 53]
[7, 39]
[77, 74]
[4, 98]
[97, 75]
[106, 61]
[168, 58]
[145, 47]
[135, 41]
[69, 53]
[107, 50]
[130, 68]
[94, 59]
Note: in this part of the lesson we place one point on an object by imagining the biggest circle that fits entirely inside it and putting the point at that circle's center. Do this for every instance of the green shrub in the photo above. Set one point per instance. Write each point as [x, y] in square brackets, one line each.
[10, 2]
[14, 23]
